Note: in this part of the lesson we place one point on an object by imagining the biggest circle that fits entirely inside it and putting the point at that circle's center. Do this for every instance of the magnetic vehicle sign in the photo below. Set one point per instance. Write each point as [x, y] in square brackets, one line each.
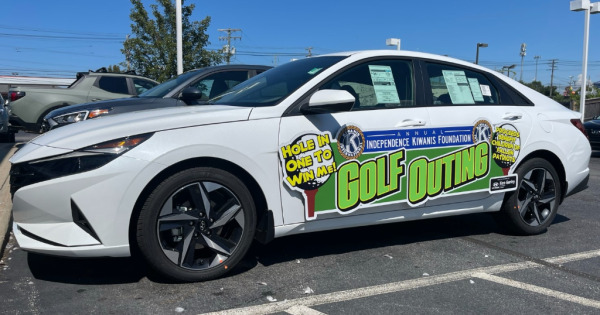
[359, 169]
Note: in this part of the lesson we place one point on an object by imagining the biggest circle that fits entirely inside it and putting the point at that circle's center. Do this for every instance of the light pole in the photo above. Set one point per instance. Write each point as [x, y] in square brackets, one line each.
[589, 8]
[179, 40]
[536, 64]
[393, 42]
[477, 55]
[522, 53]
[507, 68]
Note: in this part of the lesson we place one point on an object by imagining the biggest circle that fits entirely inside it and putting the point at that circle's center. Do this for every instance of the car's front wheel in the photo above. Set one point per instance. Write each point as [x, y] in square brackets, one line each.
[532, 207]
[197, 224]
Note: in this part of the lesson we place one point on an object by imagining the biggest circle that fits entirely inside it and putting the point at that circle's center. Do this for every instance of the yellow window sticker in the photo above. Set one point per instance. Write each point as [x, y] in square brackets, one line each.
[384, 84]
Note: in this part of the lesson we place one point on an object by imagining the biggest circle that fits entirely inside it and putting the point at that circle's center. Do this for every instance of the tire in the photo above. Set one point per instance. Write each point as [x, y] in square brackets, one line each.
[196, 225]
[531, 208]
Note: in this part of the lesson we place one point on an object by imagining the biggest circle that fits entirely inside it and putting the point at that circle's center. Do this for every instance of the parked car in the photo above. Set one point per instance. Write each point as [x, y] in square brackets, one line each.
[186, 89]
[7, 134]
[29, 105]
[322, 143]
[592, 127]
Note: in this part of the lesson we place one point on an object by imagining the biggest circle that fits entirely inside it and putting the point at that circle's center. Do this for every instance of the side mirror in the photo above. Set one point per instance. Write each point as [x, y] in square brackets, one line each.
[191, 94]
[327, 101]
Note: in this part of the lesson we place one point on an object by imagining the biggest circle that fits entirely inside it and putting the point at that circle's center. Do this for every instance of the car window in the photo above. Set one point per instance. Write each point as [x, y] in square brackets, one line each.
[451, 85]
[218, 83]
[270, 87]
[113, 84]
[142, 86]
[377, 84]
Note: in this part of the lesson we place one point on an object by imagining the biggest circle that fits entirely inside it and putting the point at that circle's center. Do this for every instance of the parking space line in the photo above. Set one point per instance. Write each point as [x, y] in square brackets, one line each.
[573, 257]
[352, 294]
[536, 289]
[302, 310]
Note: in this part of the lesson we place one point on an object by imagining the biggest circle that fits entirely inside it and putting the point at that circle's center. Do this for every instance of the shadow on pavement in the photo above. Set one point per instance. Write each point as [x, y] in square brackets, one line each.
[132, 270]
[86, 271]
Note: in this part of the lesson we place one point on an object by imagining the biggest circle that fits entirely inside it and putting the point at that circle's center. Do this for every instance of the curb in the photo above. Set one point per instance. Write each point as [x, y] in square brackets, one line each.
[5, 199]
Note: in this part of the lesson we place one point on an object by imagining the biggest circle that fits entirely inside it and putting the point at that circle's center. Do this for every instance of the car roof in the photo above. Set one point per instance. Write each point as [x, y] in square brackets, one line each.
[360, 54]
[231, 67]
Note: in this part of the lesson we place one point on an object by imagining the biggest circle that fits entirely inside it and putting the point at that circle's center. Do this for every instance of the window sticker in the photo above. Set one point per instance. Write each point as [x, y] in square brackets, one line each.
[314, 70]
[485, 90]
[475, 89]
[458, 87]
[359, 169]
[384, 85]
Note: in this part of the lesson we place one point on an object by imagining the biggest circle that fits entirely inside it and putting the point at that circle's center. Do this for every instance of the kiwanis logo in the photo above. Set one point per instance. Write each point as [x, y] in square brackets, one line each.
[351, 142]
[482, 131]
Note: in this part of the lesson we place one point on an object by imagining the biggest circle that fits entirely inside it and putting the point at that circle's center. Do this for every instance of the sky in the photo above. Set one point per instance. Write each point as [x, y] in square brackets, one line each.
[60, 38]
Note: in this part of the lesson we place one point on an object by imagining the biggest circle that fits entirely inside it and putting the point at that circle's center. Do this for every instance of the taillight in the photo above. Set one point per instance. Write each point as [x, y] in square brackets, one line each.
[13, 95]
[577, 123]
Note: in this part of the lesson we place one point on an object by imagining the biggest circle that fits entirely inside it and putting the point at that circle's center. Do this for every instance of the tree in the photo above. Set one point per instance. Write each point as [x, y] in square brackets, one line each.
[113, 68]
[152, 48]
[543, 89]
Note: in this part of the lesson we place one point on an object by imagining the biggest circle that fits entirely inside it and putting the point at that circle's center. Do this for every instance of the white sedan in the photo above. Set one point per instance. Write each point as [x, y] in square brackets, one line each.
[322, 143]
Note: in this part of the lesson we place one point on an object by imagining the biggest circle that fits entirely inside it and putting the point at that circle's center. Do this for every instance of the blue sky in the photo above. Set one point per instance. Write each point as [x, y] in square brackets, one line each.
[37, 35]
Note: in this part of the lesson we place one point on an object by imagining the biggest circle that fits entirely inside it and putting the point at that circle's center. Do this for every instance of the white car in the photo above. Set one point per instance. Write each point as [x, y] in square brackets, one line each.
[328, 142]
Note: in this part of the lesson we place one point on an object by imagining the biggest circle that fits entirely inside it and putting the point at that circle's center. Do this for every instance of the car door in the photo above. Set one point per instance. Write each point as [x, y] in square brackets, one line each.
[348, 163]
[484, 128]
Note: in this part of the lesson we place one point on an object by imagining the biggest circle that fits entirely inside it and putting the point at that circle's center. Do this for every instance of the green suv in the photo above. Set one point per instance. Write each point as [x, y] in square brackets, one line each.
[28, 105]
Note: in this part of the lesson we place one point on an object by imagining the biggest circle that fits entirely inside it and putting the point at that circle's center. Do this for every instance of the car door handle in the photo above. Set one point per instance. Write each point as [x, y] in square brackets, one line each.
[411, 123]
[96, 99]
[512, 116]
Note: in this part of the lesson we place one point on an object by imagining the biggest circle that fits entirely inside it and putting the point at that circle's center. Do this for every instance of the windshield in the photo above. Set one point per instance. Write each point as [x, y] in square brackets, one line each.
[272, 86]
[164, 88]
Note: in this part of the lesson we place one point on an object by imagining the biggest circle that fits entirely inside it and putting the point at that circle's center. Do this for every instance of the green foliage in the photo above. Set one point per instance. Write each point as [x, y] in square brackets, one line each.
[544, 89]
[114, 68]
[152, 47]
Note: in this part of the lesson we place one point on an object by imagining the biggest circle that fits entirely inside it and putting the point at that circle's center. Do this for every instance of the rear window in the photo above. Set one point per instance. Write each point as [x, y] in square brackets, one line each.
[113, 84]
[451, 85]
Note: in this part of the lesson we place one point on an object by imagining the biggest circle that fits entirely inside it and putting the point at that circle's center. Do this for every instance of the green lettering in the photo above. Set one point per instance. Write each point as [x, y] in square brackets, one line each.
[368, 181]
[348, 186]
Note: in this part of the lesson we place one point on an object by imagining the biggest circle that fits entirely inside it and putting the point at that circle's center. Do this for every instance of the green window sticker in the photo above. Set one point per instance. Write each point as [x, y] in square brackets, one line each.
[458, 87]
[384, 84]
[475, 89]
[314, 70]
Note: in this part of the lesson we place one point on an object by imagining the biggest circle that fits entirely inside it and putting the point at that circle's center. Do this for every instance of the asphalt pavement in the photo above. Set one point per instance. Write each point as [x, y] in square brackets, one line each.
[455, 265]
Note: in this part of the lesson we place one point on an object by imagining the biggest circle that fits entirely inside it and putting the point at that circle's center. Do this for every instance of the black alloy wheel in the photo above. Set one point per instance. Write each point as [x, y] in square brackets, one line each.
[197, 224]
[532, 207]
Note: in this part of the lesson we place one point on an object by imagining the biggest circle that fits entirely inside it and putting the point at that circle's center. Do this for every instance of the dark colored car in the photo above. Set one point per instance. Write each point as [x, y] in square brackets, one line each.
[190, 88]
[592, 127]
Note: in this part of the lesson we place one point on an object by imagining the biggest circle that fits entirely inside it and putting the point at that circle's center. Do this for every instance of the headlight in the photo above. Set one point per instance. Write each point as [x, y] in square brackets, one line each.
[70, 118]
[79, 161]
[74, 117]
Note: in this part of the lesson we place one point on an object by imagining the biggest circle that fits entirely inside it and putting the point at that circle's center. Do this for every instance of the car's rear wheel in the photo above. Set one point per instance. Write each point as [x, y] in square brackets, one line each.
[197, 224]
[532, 207]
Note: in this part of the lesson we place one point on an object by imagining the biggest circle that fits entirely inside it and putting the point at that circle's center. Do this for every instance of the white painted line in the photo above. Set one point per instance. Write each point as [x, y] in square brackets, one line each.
[573, 257]
[534, 288]
[302, 310]
[358, 293]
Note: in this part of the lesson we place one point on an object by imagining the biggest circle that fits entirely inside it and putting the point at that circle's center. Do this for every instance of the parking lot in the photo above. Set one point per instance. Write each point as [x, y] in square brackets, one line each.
[455, 265]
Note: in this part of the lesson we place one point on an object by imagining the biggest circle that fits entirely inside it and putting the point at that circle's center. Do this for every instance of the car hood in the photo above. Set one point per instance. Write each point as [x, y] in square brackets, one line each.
[592, 124]
[89, 132]
[102, 104]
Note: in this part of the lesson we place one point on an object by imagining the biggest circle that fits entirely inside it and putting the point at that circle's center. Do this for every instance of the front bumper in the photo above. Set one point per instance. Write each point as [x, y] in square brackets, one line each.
[82, 215]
